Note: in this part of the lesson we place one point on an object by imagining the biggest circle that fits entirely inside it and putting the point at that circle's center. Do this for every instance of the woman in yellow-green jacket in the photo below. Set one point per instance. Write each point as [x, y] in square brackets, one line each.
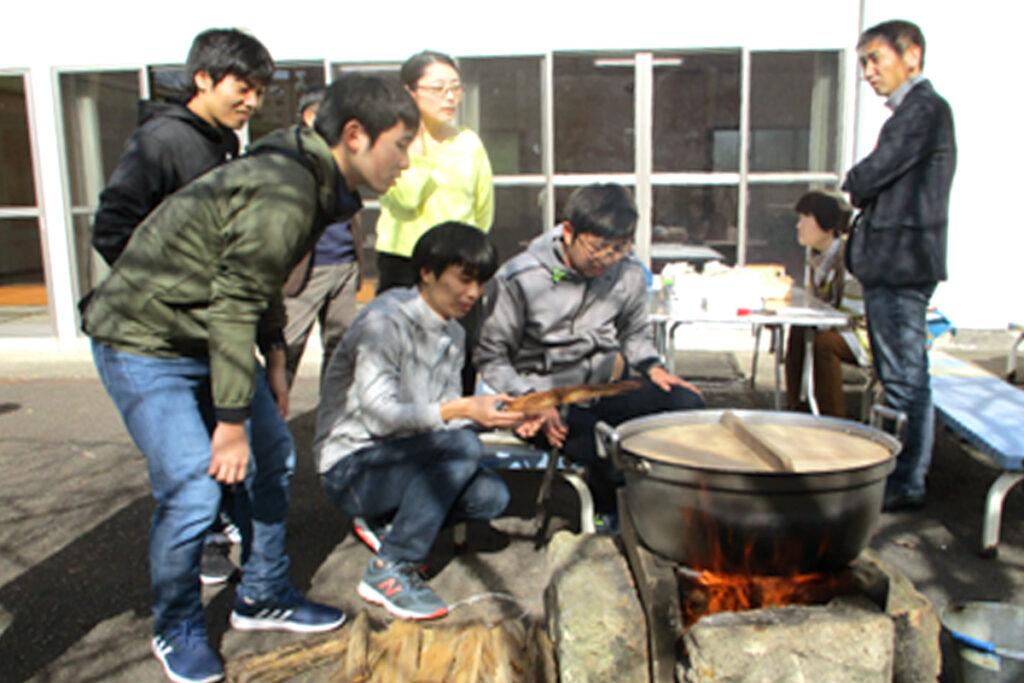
[449, 177]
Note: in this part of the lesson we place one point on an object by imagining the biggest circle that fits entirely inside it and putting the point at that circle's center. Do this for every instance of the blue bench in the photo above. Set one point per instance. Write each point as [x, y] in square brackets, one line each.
[989, 414]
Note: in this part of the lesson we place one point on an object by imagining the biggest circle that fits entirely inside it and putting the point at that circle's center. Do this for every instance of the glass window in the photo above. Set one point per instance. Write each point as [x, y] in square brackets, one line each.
[21, 262]
[793, 111]
[772, 227]
[518, 218]
[594, 119]
[281, 103]
[696, 111]
[502, 104]
[100, 113]
[23, 296]
[17, 185]
[693, 223]
[168, 82]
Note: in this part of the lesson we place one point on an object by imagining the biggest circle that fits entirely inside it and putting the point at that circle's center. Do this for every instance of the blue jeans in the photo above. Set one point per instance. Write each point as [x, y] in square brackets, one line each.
[425, 481]
[899, 336]
[166, 405]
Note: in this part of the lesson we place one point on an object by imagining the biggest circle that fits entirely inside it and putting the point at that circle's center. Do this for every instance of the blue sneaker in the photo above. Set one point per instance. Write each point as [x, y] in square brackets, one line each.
[186, 655]
[399, 588]
[289, 612]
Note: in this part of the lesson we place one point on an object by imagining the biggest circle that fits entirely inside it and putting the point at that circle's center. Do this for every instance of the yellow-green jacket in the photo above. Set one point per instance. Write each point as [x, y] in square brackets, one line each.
[451, 181]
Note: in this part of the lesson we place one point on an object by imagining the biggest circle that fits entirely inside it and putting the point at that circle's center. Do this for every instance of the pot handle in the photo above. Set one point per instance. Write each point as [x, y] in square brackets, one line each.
[608, 443]
[880, 414]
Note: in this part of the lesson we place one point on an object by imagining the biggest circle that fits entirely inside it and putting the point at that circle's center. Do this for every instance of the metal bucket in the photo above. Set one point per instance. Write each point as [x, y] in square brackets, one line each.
[989, 638]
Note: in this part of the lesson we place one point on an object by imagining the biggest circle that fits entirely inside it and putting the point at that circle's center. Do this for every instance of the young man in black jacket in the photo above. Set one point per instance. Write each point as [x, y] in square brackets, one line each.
[898, 246]
[176, 142]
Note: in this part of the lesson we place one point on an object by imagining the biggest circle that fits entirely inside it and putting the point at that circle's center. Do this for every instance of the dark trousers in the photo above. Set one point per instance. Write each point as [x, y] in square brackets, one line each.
[830, 352]
[425, 481]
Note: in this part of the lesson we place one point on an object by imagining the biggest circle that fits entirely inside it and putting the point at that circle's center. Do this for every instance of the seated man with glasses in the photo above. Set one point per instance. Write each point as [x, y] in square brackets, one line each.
[563, 311]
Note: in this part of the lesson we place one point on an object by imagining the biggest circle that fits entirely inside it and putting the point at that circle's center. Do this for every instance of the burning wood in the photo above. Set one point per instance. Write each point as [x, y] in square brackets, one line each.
[711, 593]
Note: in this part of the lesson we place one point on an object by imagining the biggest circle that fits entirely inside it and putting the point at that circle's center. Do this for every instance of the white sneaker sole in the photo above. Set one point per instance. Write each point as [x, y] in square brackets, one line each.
[372, 596]
[278, 623]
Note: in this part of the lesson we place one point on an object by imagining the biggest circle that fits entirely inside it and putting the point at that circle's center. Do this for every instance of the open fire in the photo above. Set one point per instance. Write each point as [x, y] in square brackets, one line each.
[717, 586]
[705, 592]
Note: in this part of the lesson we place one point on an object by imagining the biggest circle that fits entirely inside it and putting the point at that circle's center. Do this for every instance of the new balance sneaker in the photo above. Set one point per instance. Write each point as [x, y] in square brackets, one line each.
[186, 655]
[370, 534]
[214, 565]
[289, 612]
[399, 588]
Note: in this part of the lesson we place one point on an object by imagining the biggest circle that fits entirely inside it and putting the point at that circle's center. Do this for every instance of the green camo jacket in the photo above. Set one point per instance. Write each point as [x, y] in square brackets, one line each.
[202, 274]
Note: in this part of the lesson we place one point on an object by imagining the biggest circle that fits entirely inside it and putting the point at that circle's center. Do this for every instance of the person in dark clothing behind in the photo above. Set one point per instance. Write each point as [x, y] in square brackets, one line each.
[175, 142]
[324, 285]
[898, 245]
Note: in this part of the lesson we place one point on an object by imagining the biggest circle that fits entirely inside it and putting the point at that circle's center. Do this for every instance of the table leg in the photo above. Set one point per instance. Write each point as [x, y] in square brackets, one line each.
[660, 328]
[757, 349]
[807, 390]
[779, 347]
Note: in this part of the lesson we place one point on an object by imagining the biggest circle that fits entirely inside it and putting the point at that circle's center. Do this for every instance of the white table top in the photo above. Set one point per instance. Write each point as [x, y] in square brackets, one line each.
[800, 309]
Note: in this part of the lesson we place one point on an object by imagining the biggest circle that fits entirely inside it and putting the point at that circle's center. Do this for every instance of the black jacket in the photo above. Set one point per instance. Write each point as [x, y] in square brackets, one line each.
[902, 189]
[171, 147]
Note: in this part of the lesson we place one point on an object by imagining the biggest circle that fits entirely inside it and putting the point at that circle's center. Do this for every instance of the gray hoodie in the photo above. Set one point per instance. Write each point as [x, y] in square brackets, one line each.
[395, 366]
[551, 327]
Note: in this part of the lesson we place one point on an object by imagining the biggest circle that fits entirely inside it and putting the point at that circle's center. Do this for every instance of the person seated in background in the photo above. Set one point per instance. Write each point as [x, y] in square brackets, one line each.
[563, 311]
[394, 438]
[822, 226]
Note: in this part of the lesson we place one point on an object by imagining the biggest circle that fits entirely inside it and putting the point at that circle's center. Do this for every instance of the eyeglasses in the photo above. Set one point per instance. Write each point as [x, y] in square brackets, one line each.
[606, 249]
[442, 89]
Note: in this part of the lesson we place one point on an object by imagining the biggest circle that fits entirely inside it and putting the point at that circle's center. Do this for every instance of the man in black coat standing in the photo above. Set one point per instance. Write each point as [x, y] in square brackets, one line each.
[898, 246]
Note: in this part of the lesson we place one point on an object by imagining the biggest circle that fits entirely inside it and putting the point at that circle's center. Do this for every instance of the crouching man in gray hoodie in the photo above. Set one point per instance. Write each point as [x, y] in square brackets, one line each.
[563, 310]
[393, 438]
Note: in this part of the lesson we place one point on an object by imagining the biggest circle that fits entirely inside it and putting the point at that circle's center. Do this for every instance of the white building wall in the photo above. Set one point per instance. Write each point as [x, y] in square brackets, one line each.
[969, 58]
[967, 55]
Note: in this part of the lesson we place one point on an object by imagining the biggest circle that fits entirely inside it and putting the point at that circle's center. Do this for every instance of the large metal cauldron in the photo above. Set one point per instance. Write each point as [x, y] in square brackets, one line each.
[754, 522]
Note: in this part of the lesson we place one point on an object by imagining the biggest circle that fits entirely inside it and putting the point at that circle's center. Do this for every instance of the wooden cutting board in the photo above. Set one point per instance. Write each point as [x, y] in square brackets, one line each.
[540, 401]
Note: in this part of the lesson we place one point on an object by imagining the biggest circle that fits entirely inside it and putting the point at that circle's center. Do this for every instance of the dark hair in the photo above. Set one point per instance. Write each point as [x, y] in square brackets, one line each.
[832, 212]
[228, 51]
[897, 34]
[376, 102]
[603, 210]
[311, 97]
[455, 244]
[412, 70]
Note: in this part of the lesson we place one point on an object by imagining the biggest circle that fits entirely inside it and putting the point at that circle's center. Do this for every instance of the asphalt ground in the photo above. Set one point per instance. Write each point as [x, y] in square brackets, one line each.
[75, 508]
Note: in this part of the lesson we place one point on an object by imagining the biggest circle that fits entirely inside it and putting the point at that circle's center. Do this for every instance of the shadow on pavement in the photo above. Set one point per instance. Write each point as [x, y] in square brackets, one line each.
[104, 573]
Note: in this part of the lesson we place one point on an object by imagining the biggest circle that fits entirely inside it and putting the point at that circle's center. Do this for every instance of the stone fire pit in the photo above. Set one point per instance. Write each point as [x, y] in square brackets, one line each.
[886, 632]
